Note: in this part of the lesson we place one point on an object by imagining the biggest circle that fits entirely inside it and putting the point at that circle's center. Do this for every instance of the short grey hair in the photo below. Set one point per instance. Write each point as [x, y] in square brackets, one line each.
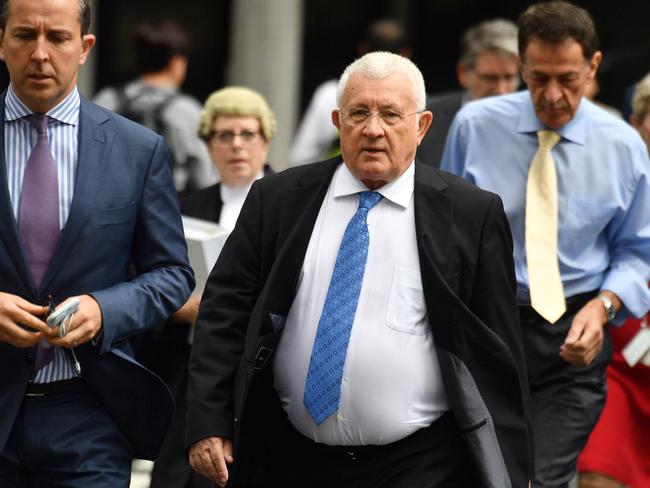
[498, 35]
[381, 64]
[641, 98]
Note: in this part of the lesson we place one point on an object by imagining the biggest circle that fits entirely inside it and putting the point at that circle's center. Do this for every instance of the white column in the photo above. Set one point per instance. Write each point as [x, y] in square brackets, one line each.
[266, 55]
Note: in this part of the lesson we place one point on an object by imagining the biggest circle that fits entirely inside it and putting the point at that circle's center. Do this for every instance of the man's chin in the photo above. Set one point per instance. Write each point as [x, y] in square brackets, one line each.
[555, 120]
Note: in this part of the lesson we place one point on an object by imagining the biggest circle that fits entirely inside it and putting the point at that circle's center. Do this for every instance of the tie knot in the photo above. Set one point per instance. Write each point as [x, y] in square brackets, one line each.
[39, 122]
[368, 199]
[547, 138]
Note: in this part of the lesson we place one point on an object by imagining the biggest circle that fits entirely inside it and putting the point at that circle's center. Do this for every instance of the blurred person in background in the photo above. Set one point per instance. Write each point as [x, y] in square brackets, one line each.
[488, 65]
[617, 453]
[237, 126]
[316, 138]
[155, 100]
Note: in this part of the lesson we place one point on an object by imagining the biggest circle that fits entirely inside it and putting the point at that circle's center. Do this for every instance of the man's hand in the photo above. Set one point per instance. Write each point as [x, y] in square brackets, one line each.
[85, 325]
[209, 457]
[189, 312]
[16, 311]
[585, 338]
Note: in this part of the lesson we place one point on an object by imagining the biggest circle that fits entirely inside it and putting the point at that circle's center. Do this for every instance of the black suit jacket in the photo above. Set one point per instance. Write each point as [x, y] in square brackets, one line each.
[444, 108]
[206, 203]
[465, 251]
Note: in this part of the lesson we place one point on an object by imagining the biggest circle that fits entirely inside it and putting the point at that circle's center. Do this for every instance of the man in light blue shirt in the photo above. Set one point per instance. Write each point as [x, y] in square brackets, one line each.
[603, 228]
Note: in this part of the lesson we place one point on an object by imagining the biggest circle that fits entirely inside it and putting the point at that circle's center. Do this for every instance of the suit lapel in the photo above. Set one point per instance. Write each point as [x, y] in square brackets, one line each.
[92, 143]
[8, 226]
[433, 217]
[299, 212]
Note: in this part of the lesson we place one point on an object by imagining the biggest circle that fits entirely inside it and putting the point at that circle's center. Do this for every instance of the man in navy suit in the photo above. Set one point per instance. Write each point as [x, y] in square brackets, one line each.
[76, 408]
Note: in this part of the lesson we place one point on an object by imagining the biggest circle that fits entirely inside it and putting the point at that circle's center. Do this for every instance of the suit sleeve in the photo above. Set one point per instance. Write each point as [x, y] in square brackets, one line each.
[230, 295]
[164, 279]
[493, 301]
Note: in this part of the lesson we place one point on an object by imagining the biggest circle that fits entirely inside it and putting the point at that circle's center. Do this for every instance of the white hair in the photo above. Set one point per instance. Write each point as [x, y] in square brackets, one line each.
[379, 65]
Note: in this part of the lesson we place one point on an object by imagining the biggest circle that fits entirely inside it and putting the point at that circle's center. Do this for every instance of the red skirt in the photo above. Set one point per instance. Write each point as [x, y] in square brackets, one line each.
[619, 445]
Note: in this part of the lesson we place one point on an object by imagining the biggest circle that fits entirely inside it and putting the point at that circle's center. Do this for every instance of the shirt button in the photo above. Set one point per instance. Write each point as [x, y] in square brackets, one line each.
[339, 416]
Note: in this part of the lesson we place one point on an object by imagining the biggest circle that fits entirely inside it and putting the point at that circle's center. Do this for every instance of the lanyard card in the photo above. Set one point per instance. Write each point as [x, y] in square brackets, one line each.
[638, 349]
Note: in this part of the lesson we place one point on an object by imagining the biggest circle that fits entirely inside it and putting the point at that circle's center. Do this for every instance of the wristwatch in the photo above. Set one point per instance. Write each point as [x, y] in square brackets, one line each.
[609, 306]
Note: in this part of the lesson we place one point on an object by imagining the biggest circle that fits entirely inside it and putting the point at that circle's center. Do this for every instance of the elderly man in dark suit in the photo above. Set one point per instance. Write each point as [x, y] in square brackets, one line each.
[359, 328]
[488, 65]
[84, 194]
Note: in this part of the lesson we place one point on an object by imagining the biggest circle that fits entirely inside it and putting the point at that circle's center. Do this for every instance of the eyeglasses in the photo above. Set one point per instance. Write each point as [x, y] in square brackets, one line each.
[494, 79]
[388, 118]
[227, 137]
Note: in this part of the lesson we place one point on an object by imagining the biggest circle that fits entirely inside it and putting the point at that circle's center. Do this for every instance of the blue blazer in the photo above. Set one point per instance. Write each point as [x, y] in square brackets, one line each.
[124, 213]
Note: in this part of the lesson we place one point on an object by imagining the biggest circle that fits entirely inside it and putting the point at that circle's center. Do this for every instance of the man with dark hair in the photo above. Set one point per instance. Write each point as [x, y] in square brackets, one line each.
[84, 194]
[488, 65]
[155, 100]
[575, 184]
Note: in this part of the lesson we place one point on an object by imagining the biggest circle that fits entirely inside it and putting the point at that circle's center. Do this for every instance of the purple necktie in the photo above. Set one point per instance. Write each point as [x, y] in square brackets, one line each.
[38, 215]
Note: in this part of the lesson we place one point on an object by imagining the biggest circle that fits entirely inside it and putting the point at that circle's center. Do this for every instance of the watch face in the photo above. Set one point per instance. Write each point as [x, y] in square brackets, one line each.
[609, 307]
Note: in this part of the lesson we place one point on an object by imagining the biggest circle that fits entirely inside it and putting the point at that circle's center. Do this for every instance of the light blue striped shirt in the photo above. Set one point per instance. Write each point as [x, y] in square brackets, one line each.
[603, 179]
[62, 135]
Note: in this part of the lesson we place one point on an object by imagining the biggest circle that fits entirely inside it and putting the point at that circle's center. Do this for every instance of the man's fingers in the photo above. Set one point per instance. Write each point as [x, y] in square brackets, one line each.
[20, 324]
[207, 457]
[217, 456]
[19, 337]
[575, 331]
[83, 325]
[227, 451]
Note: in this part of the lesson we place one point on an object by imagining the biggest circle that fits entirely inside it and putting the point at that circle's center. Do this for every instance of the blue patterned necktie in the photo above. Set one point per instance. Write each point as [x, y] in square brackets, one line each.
[38, 217]
[323, 385]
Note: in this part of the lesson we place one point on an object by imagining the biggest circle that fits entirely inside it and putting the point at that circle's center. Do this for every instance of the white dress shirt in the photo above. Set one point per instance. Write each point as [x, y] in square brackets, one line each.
[233, 198]
[391, 385]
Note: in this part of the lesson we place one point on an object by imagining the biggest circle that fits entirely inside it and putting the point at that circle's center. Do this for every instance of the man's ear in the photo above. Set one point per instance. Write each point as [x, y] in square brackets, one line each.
[424, 122]
[2, 44]
[87, 42]
[522, 70]
[336, 119]
[594, 62]
[462, 73]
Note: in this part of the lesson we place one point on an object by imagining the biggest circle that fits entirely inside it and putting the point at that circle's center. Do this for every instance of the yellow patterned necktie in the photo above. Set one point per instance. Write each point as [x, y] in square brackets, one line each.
[544, 282]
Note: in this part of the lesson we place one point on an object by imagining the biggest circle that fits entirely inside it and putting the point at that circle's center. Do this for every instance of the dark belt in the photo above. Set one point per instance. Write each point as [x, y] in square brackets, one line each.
[573, 304]
[63, 386]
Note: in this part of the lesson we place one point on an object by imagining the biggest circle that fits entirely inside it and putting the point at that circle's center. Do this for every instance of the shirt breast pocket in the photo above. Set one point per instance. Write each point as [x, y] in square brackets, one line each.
[406, 311]
[588, 219]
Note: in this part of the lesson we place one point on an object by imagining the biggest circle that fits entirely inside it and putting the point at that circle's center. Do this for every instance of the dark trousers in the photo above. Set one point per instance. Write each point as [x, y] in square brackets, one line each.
[65, 440]
[172, 469]
[433, 457]
[566, 400]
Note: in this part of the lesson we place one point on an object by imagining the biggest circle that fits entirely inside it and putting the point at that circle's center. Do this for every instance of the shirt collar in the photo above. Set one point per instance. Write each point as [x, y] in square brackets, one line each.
[236, 193]
[574, 130]
[66, 111]
[398, 191]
